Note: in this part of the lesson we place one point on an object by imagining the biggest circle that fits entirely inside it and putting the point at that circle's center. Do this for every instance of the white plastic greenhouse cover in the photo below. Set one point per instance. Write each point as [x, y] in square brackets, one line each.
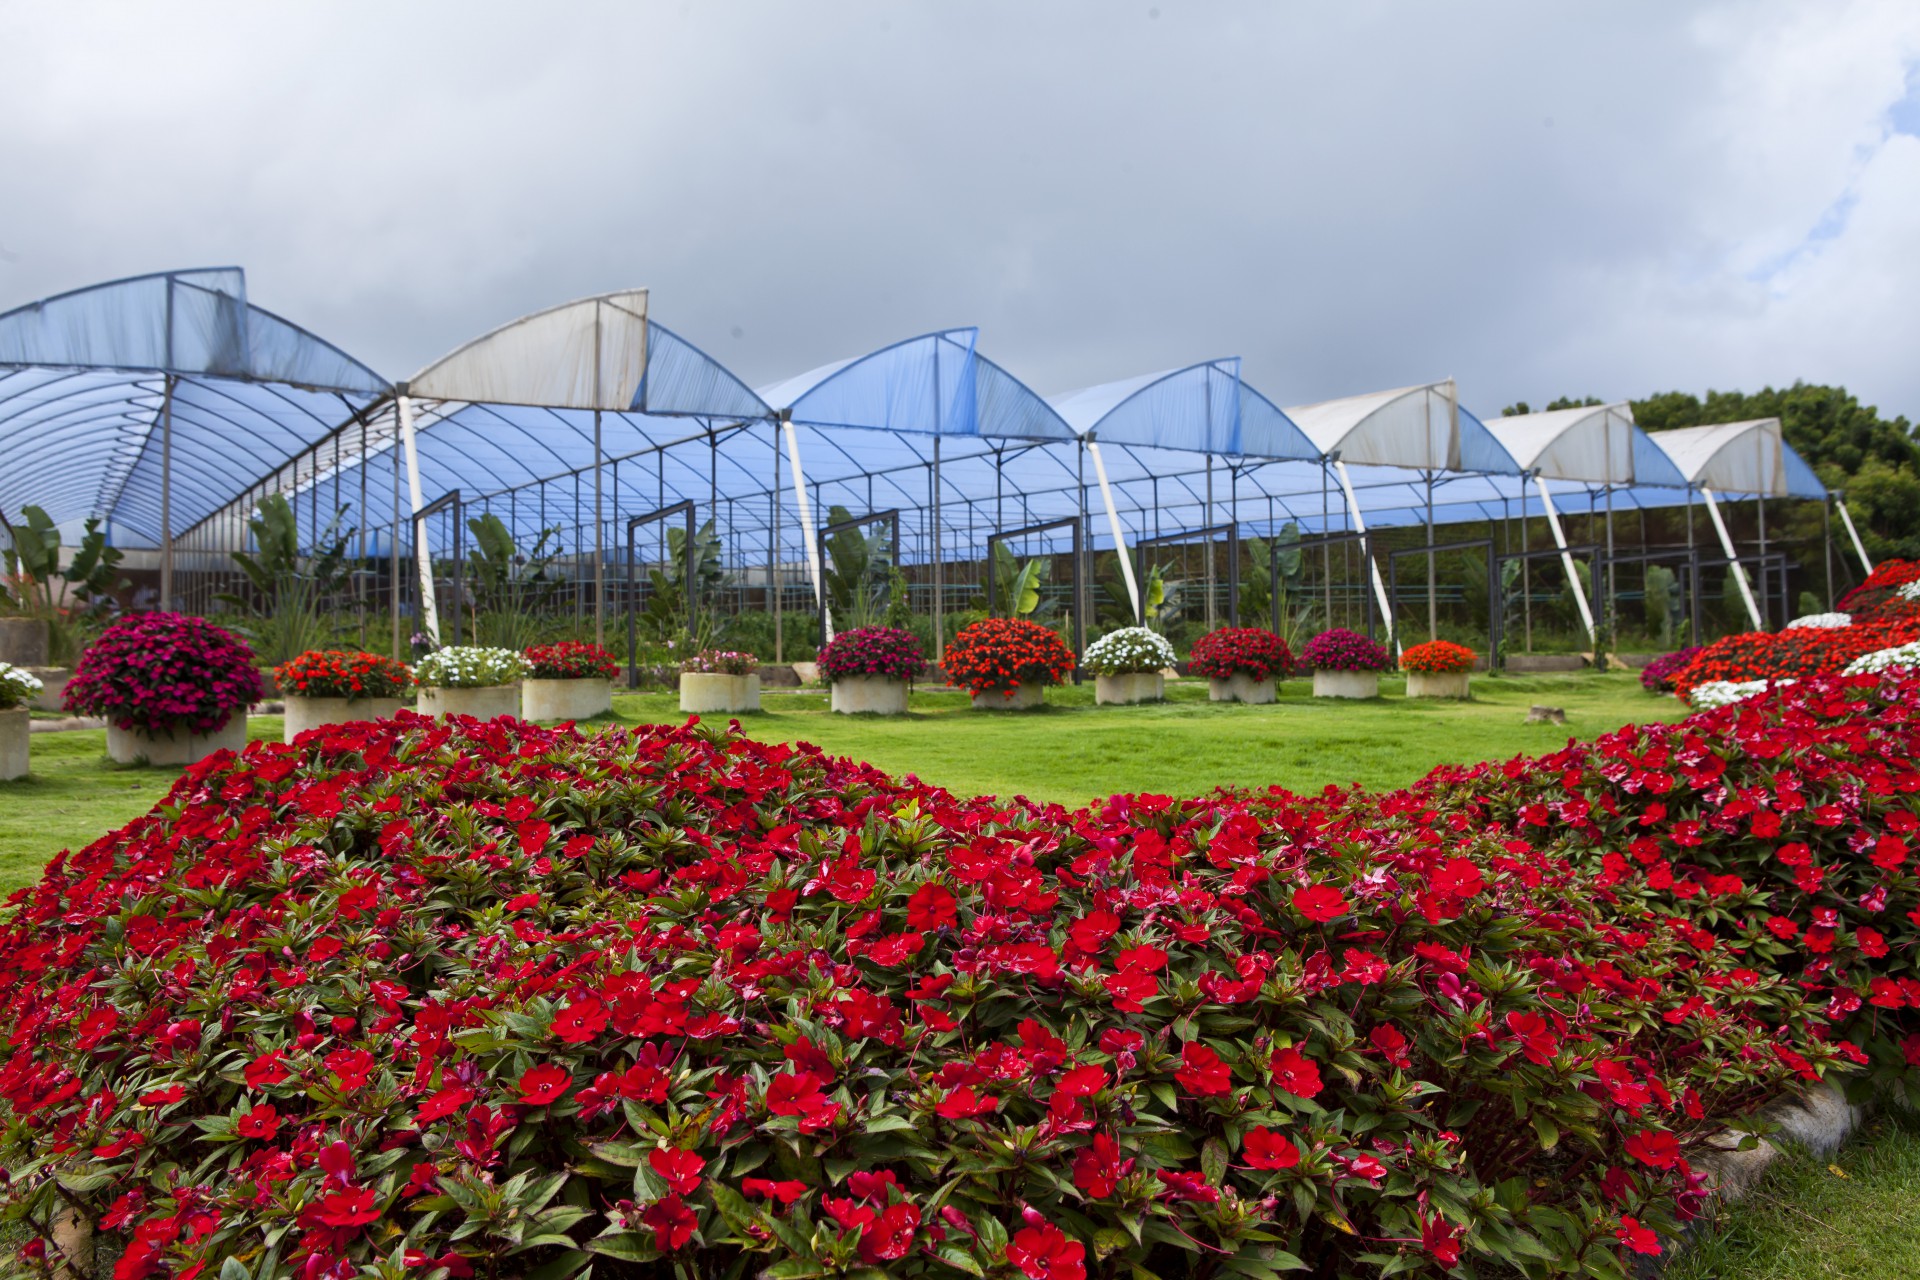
[1420, 427]
[1590, 444]
[1740, 457]
[83, 399]
[1203, 408]
[587, 354]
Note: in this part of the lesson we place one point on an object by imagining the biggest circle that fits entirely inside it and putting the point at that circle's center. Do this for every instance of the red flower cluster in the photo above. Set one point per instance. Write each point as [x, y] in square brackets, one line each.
[1254, 650]
[886, 652]
[998, 655]
[1438, 657]
[1798, 653]
[570, 660]
[1878, 599]
[333, 673]
[160, 671]
[670, 995]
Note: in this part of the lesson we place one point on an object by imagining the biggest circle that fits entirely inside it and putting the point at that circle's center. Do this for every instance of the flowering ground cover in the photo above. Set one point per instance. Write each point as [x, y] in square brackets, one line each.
[441, 992]
[1184, 746]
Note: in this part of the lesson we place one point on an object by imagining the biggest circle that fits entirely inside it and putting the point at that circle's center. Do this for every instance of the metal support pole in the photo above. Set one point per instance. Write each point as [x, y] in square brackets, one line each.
[1119, 534]
[166, 491]
[599, 529]
[1366, 552]
[939, 608]
[423, 558]
[1733, 560]
[1433, 570]
[774, 581]
[1853, 534]
[1566, 561]
[806, 529]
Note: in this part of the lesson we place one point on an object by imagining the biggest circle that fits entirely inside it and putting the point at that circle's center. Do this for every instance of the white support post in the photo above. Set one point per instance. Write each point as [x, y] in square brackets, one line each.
[1733, 562]
[806, 529]
[166, 495]
[1853, 534]
[1566, 560]
[429, 606]
[1119, 534]
[1360, 527]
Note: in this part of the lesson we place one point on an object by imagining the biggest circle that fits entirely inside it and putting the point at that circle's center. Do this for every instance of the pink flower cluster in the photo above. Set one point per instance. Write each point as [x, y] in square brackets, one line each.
[886, 652]
[157, 672]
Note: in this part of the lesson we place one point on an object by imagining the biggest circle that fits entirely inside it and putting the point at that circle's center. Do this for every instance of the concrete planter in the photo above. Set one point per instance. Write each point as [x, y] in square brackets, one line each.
[702, 692]
[1428, 684]
[1346, 684]
[23, 642]
[303, 714]
[566, 699]
[1240, 687]
[486, 703]
[53, 682]
[15, 735]
[807, 672]
[136, 746]
[875, 694]
[1128, 688]
[1026, 696]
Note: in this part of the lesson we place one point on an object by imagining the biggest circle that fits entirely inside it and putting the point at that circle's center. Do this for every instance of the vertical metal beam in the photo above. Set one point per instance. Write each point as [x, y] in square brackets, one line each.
[939, 607]
[166, 473]
[774, 581]
[599, 528]
[1366, 552]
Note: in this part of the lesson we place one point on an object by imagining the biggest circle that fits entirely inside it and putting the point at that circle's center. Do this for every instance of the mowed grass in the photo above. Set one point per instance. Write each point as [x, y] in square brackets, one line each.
[1851, 1217]
[1071, 752]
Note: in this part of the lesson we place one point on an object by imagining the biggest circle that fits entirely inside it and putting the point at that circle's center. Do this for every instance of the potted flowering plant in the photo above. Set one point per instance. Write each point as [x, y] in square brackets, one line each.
[1129, 666]
[18, 688]
[872, 669]
[1345, 664]
[172, 688]
[465, 680]
[571, 680]
[1438, 669]
[1240, 663]
[1007, 662]
[328, 686]
[720, 680]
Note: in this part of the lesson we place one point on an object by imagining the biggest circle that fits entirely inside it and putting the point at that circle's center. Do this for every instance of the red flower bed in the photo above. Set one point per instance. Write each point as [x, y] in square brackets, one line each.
[1438, 657]
[570, 660]
[332, 673]
[1798, 653]
[1256, 651]
[495, 996]
[998, 655]
[160, 671]
[1878, 599]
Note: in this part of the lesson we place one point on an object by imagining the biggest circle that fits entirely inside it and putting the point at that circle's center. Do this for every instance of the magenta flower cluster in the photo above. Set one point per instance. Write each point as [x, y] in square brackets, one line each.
[1343, 650]
[162, 671]
[1659, 674]
[886, 652]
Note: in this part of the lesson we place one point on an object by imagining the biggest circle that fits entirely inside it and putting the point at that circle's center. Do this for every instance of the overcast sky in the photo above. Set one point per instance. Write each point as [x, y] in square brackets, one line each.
[1537, 198]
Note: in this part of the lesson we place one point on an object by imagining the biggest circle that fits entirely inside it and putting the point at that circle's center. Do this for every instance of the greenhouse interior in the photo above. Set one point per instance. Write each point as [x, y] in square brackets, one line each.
[587, 472]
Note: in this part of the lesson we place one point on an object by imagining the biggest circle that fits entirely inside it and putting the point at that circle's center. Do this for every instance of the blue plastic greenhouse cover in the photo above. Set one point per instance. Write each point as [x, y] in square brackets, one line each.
[1203, 408]
[82, 383]
[935, 384]
[681, 379]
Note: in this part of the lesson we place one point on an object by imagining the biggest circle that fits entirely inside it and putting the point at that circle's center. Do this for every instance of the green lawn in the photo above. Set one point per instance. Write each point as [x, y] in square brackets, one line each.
[1851, 1218]
[1072, 751]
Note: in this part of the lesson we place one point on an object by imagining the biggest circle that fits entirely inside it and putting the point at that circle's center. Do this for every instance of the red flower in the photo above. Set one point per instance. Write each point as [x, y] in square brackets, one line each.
[352, 1067]
[541, 1086]
[1201, 1072]
[963, 1104]
[1266, 1149]
[784, 1192]
[1458, 878]
[261, 1122]
[1044, 1253]
[1319, 902]
[267, 1069]
[891, 1234]
[1295, 1073]
[580, 1021]
[1441, 1240]
[1098, 1168]
[1636, 1237]
[679, 1168]
[349, 1207]
[1655, 1147]
[444, 1103]
[795, 1093]
[1391, 1044]
[672, 1222]
[931, 907]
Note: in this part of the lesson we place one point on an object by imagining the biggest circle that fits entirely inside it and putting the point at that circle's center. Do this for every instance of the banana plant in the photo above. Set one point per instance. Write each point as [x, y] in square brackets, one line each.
[858, 573]
[33, 567]
[285, 605]
[666, 612]
[510, 588]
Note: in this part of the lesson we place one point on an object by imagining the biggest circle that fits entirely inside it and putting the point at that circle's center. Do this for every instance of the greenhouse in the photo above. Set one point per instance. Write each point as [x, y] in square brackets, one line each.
[589, 466]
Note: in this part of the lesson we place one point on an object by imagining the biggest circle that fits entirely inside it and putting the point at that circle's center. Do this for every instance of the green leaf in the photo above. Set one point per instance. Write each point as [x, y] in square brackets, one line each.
[627, 1246]
[889, 1124]
[1213, 1160]
[1549, 1131]
[234, 1269]
[559, 1269]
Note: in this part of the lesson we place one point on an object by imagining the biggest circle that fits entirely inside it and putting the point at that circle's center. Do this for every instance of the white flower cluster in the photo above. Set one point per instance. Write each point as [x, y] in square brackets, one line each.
[1128, 650]
[1872, 664]
[1909, 590]
[17, 686]
[1720, 693]
[469, 667]
[1823, 621]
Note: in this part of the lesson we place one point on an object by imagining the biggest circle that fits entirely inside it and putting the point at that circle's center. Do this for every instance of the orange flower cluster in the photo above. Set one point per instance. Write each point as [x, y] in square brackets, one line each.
[1438, 657]
[1000, 654]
